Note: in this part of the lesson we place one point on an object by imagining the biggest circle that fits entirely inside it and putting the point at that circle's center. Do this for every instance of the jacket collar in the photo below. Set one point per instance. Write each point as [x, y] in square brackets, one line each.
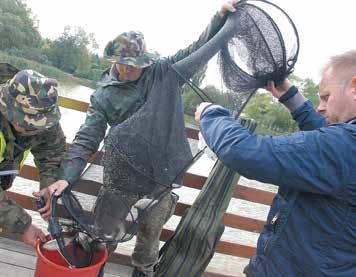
[110, 78]
[352, 121]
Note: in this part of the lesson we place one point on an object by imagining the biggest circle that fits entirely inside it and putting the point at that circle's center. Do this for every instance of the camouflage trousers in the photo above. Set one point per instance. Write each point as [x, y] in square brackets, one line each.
[146, 251]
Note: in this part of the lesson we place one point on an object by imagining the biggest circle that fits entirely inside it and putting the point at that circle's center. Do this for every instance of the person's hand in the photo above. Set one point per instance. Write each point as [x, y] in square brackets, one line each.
[57, 188]
[227, 7]
[32, 234]
[200, 109]
[279, 90]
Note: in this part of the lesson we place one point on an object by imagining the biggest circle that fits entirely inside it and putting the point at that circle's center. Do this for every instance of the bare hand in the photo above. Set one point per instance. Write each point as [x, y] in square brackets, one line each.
[227, 7]
[57, 188]
[32, 235]
[279, 90]
[199, 110]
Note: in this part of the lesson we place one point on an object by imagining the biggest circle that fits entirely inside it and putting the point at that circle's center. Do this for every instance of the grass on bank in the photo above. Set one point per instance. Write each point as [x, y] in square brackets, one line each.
[47, 70]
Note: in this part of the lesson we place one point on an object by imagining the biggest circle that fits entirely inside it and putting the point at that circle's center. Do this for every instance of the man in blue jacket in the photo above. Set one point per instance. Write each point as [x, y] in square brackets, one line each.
[311, 226]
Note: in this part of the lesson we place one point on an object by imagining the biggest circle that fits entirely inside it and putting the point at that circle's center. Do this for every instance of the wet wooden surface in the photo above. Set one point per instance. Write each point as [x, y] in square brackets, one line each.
[19, 260]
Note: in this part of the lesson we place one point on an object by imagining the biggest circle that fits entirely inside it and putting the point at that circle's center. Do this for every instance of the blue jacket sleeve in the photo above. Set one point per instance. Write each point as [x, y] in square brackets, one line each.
[307, 118]
[302, 110]
[307, 161]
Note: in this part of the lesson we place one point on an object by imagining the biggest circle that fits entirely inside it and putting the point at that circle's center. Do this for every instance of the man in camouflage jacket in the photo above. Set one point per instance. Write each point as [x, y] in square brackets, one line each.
[116, 99]
[29, 120]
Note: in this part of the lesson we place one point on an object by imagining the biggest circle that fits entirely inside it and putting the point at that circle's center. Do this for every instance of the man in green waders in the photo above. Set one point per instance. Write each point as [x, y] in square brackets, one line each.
[29, 121]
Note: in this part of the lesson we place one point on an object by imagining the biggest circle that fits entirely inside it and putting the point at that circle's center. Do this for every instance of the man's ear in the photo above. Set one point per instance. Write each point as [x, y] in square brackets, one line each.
[353, 87]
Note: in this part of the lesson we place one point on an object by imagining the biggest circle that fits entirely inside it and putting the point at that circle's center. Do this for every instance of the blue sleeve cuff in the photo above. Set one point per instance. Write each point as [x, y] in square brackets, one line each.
[293, 90]
[292, 99]
[208, 108]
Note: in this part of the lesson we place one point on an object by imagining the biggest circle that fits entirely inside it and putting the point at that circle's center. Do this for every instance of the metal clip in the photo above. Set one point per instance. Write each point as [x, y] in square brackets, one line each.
[275, 218]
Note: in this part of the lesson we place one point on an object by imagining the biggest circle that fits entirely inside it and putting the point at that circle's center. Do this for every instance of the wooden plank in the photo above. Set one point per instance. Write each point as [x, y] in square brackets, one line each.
[243, 223]
[72, 104]
[82, 106]
[23, 259]
[241, 192]
[29, 172]
[125, 259]
[254, 195]
[230, 220]
[17, 259]
[10, 243]
[223, 246]
[234, 249]
[190, 180]
[10, 270]
[117, 269]
[192, 133]
[193, 181]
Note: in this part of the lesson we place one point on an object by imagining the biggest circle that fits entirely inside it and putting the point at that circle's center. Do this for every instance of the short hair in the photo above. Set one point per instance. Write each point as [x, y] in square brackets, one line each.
[343, 66]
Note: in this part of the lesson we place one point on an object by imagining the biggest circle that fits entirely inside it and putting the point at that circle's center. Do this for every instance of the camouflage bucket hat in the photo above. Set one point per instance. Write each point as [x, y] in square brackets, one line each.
[30, 100]
[130, 48]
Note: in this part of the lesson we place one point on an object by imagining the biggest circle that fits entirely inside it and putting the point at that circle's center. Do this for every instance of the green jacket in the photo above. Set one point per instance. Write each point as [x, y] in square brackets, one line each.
[113, 102]
[48, 148]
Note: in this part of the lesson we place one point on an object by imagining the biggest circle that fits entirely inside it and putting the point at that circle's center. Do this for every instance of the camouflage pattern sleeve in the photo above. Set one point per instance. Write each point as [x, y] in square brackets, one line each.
[48, 155]
[13, 218]
[216, 23]
[85, 143]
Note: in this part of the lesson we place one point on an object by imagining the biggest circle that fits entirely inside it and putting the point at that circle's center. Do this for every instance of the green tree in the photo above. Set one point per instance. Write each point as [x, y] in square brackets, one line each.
[310, 90]
[71, 52]
[271, 116]
[18, 28]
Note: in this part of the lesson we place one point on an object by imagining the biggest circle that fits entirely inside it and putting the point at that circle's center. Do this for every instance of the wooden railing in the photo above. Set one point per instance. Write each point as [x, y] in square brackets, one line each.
[91, 187]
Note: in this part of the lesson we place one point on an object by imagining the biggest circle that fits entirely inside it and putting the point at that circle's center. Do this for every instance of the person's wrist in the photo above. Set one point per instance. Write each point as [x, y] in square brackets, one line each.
[292, 90]
[207, 108]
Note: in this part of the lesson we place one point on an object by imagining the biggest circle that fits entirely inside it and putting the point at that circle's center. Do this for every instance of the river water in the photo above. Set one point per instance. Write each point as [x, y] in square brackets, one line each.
[71, 121]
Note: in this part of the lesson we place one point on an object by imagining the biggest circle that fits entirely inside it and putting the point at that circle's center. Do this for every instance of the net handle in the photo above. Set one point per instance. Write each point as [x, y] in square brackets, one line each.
[56, 231]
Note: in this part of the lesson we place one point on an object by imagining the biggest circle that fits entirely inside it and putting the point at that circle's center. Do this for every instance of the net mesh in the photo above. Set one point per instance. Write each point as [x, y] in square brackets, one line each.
[69, 238]
[264, 47]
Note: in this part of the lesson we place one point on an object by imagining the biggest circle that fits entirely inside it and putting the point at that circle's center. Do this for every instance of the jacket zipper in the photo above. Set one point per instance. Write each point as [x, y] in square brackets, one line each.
[273, 223]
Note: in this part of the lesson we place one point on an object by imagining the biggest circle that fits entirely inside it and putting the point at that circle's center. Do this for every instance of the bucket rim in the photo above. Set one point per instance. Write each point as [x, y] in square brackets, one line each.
[40, 255]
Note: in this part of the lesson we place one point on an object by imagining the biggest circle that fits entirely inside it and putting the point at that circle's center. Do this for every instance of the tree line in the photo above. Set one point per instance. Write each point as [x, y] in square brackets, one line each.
[271, 116]
[74, 52]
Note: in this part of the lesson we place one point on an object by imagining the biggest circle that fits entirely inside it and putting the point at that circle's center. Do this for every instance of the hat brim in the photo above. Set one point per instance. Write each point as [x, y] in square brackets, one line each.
[14, 114]
[139, 61]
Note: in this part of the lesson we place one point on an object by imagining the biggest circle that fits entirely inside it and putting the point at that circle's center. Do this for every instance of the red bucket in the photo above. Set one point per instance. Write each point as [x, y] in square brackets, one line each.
[51, 263]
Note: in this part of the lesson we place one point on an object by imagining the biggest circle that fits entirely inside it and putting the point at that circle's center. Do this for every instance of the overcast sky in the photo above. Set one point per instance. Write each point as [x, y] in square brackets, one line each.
[325, 27]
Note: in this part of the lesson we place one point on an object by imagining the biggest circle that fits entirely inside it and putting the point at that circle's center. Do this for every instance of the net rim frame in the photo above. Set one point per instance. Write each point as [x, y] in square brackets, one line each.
[289, 67]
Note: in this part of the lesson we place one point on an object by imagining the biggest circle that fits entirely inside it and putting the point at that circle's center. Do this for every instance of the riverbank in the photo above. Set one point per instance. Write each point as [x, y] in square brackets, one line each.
[47, 70]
